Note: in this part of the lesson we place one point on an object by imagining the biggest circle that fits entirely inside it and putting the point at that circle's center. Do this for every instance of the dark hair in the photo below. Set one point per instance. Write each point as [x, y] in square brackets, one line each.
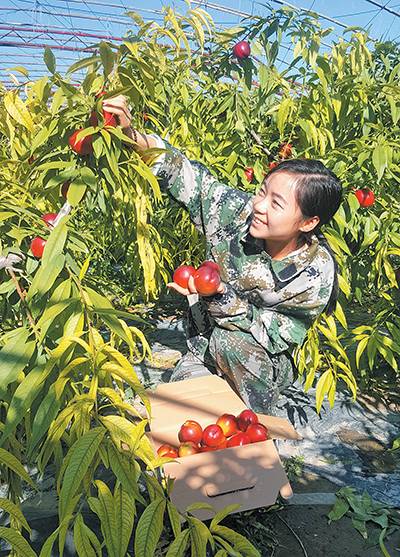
[318, 193]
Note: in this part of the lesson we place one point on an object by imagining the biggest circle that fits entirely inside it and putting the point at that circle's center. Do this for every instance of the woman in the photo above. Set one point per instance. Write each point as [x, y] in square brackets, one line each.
[278, 273]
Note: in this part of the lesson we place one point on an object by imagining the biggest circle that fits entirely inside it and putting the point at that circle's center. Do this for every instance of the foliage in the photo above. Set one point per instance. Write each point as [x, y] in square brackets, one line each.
[294, 467]
[363, 511]
[63, 389]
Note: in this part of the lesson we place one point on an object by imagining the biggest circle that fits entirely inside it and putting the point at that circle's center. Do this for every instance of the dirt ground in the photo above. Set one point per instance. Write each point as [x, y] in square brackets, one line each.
[321, 539]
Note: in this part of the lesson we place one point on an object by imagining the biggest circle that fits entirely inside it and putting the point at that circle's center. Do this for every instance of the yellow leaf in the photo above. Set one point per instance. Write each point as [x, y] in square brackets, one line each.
[323, 386]
[360, 349]
[17, 109]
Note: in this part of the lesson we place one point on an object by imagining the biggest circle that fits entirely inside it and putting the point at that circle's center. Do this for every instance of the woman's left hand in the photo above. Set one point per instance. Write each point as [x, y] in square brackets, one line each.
[191, 289]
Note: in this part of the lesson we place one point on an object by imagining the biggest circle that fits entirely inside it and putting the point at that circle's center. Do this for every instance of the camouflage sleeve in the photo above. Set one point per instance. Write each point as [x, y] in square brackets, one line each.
[211, 205]
[276, 328]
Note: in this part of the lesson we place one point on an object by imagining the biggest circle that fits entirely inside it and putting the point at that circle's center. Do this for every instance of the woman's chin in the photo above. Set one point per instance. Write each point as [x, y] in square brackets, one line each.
[255, 232]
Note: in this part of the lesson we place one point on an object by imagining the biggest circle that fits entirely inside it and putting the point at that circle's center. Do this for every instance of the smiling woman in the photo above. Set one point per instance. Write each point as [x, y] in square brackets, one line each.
[277, 271]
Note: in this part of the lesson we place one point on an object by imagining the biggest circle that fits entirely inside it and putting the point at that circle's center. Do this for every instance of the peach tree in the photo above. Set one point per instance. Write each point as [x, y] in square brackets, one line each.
[69, 391]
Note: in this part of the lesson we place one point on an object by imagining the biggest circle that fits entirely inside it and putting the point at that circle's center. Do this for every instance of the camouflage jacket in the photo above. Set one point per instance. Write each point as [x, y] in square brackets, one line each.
[274, 301]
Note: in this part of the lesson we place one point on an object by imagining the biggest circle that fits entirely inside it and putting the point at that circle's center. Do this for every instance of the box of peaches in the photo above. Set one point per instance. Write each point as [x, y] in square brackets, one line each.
[220, 451]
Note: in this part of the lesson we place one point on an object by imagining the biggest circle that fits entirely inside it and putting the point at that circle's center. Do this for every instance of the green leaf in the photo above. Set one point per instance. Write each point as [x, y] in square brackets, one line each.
[89, 177]
[45, 414]
[382, 520]
[84, 63]
[396, 445]
[17, 542]
[14, 464]
[41, 137]
[125, 472]
[81, 457]
[101, 303]
[179, 545]
[19, 69]
[380, 157]
[386, 352]
[174, 518]
[200, 535]
[76, 191]
[13, 510]
[239, 542]
[149, 528]
[349, 383]
[107, 58]
[46, 276]
[339, 509]
[122, 430]
[116, 513]
[360, 526]
[340, 315]
[199, 506]
[57, 101]
[223, 513]
[7, 286]
[54, 165]
[85, 541]
[23, 397]
[51, 312]
[49, 59]
[14, 356]
[337, 242]
[283, 114]
[310, 131]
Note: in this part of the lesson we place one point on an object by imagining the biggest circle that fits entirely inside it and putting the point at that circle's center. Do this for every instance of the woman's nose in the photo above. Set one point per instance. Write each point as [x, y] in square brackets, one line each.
[260, 205]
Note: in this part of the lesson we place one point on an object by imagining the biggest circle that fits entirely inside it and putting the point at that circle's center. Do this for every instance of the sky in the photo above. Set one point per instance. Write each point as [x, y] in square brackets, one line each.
[57, 23]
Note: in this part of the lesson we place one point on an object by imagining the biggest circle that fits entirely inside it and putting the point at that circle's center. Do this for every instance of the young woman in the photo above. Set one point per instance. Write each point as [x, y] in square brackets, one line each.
[278, 273]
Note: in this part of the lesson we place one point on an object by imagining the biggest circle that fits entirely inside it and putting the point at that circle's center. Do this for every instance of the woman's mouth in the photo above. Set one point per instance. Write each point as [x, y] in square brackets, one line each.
[256, 220]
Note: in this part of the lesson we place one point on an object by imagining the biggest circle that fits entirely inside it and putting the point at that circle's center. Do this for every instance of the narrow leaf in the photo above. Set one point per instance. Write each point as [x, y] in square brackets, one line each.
[17, 542]
[82, 454]
[149, 528]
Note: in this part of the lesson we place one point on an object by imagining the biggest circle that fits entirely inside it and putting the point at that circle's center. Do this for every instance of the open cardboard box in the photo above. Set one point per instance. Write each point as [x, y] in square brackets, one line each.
[251, 475]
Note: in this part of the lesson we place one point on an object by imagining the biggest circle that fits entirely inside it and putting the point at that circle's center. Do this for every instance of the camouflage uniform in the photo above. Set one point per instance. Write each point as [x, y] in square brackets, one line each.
[248, 333]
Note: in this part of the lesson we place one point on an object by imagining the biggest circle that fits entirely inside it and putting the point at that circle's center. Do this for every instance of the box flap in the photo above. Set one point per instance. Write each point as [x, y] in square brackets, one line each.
[279, 428]
[198, 386]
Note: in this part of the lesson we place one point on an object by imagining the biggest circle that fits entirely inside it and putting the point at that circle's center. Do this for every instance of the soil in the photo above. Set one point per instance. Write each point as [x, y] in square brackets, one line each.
[319, 538]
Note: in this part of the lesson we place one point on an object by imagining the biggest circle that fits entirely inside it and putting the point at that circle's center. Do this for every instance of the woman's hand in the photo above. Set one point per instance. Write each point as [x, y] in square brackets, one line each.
[119, 106]
[191, 289]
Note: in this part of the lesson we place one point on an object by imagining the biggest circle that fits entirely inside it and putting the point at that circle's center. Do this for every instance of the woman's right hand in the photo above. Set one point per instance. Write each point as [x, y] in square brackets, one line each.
[119, 106]
[191, 289]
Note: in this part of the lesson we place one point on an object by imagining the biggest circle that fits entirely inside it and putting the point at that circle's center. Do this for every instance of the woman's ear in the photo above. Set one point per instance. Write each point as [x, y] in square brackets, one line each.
[309, 224]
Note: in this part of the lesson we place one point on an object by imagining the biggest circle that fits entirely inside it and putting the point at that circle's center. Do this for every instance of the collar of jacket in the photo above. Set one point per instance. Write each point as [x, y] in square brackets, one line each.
[288, 267]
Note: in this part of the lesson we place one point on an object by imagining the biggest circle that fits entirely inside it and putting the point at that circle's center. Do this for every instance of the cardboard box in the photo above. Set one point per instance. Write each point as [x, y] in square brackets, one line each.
[251, 475]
